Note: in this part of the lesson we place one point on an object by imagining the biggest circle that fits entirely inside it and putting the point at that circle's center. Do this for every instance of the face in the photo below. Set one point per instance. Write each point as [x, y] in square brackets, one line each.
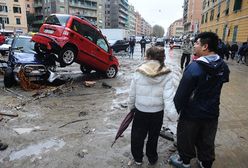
[198, 48]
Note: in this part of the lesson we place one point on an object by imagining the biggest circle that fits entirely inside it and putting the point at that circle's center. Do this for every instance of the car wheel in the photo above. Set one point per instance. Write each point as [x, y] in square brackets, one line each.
[38, 50]
[3, 53]
[67, 55]
[9, 79]
[85, 69]
[111, 71]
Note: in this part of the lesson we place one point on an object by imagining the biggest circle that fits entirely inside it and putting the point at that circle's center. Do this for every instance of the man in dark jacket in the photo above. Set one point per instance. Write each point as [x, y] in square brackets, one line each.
[234, 49]
[143, 46]
[197, 101]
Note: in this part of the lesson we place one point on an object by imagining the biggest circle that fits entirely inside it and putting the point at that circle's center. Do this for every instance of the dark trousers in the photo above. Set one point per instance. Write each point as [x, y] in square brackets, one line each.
[146, 124]
[196, 138]
[143, 50]
[187, 57]
[131, 51]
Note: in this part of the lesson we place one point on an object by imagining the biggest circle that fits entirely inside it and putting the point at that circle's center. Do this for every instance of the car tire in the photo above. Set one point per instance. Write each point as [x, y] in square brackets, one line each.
[85, 69]
[111, 72]
[38, 50]
[67, 56]
[3, 53]
[9, 79]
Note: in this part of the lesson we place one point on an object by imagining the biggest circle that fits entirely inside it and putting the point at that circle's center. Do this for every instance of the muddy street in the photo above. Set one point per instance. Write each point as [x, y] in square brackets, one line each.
[73, 126]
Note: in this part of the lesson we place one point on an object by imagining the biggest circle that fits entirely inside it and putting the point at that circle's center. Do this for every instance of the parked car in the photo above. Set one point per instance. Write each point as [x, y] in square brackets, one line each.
[2, 38]
[159, 42]
[177, 43]
[4, 48]
[23, 56]
[74, 39]
[120, 45]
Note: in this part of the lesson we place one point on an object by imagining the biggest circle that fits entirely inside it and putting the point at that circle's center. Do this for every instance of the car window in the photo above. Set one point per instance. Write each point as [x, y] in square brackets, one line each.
[57, 20]
[23, 45]
[102, 44]
[83, 29]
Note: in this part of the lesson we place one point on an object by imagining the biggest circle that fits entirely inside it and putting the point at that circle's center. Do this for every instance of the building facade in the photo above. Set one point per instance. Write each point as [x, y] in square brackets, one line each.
[176, 29]
[13, 16]
[229, 19]
[191, 16]
[131, 20]
[29, 6]
[116, 14]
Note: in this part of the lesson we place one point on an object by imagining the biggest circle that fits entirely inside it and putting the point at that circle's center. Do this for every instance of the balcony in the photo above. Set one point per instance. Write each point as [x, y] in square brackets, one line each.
[37, 5]
[83, 6]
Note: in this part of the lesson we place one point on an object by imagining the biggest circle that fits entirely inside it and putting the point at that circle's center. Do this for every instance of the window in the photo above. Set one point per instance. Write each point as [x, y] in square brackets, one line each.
[227, 7]
[212, 15]
[237, 5]
[206, 18]
[15, 0]
[84, 30]
[202, 20]
[62, 9]
[3, 8]
[224, 33]
[235, 32]
[18, 21]
[4, 20]
[17, 10]
[102, 43]
[28, 6]
[218, 13]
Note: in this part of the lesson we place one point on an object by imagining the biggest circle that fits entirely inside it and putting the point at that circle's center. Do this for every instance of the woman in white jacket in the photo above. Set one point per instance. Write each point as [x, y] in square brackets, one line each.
[150, 93]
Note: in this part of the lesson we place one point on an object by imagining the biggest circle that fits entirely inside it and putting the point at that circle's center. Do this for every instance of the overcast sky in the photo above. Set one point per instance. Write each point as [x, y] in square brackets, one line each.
[160, 12]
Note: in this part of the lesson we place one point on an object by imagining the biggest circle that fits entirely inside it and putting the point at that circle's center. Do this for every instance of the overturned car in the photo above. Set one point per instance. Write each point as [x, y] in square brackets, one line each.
[24, 62]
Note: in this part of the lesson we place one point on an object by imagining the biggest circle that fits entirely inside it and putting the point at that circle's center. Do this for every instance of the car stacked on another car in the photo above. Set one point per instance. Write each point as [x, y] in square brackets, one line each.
[23, 56]
[75, 39]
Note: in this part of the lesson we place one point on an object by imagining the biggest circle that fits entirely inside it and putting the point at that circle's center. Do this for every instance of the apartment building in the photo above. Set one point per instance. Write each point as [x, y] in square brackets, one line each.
[13, 16]
[229, 19]
[30, 6]
[176, 29]
[116, 14]
[83, 8]
[131, 20]
[191, 16]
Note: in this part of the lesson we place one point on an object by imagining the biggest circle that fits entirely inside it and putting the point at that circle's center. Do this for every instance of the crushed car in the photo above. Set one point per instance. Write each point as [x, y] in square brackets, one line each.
[23, 58]
[74, 39]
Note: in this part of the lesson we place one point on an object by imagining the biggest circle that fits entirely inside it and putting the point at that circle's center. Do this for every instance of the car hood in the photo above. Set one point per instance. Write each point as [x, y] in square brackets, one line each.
[26, 58]
[5, 46]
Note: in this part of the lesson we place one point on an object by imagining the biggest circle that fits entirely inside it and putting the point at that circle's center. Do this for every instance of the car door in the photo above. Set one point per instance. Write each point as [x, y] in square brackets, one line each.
[102, 52]
[84, 39]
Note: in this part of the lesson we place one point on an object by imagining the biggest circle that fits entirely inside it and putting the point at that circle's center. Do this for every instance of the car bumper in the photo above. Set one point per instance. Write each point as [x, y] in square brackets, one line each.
[33, 72]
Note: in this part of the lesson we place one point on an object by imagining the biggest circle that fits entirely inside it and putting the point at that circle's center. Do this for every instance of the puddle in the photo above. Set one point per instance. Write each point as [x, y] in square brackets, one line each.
[37, 149]
[25, 130]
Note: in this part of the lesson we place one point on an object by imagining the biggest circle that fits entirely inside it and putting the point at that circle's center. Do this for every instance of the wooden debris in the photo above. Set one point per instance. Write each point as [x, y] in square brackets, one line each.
[89, 83]
[71, 122]
[7, 114]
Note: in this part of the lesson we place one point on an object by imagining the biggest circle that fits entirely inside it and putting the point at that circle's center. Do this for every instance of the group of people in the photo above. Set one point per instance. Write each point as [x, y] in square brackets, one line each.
[132, 42]
[196, 101]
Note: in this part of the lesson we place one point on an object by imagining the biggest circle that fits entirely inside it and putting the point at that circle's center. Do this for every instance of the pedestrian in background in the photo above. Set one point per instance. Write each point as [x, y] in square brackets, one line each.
[197, 102]
[242, 51]
[187, 51]
[222, 49]
[150, 93]
[131, 46]
[234, 48]
[143, 46]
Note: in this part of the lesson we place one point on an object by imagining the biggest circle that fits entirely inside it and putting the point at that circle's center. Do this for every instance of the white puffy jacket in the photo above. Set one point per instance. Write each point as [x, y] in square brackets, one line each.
[152, 91]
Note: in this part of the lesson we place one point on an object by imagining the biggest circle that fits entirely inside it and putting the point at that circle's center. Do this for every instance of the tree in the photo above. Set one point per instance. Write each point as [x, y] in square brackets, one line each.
[158, 31]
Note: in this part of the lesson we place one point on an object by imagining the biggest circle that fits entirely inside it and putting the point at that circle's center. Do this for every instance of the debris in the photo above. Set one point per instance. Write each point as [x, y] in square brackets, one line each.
[167, 134]
[105, 85]
[1, 118]
[71, 122]
[82, 153]
[124, 105]
[130, 163]
[19, 96]
[10, 115]
[26, 84]
[82, 113]
[89, 83]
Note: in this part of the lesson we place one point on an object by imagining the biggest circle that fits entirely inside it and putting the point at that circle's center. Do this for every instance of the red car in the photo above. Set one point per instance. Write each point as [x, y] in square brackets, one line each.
[75, 39]
[2, 39]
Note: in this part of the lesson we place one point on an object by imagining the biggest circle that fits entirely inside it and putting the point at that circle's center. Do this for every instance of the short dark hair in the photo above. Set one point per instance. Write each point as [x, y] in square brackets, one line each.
[209, 38]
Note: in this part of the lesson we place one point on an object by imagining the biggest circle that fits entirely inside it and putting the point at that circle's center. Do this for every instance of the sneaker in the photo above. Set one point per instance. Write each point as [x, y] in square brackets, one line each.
[138, 163]
[199, 163]
[3, 146]
[176, 161]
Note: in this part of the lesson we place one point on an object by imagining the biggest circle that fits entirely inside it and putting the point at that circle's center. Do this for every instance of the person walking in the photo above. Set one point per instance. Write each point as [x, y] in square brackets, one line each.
[197, 102]
[242, 51]
[187, 51]
[222, 49]
[234, 49]
[131, 47]
[143, 46]
[150, 93]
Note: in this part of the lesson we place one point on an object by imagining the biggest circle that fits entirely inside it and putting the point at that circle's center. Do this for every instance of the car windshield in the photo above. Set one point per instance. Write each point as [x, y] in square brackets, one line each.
[60, 20]
[22, 44]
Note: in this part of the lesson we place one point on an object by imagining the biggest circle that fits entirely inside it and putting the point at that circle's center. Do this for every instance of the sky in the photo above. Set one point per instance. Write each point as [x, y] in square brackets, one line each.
[160, 12]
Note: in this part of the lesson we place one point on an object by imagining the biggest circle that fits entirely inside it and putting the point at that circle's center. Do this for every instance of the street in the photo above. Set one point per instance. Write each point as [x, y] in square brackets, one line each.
[73, 126]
